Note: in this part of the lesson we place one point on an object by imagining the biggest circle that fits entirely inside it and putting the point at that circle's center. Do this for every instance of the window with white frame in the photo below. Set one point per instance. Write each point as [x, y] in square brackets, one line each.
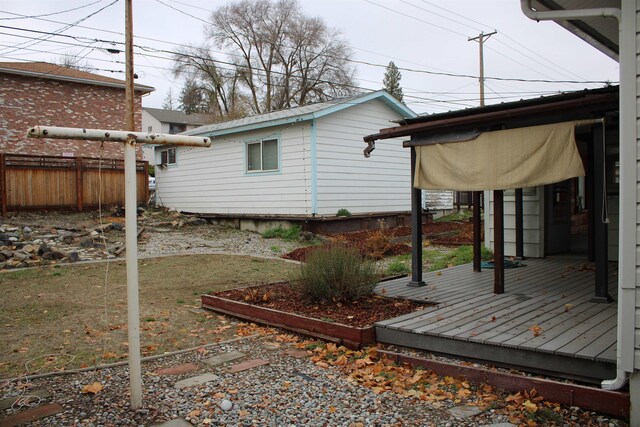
[168, 156]
[262, 156]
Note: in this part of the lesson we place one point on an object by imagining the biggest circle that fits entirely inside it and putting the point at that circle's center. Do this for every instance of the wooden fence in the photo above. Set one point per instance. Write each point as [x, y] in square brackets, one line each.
[48, 182]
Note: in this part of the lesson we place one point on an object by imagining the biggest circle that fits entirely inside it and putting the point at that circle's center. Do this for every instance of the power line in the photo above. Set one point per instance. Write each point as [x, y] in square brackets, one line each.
[416, 19]
[52, 13]
[65, 28]
[182, 12]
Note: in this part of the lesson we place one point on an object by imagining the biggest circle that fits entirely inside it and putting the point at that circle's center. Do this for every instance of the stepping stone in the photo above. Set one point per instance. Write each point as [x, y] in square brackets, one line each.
[178, 369]
[195, 381]
[224, 358]
[8, 402]
[30, 415]
[298, 354]
[271, 345]
[249, 364]
[178, 422]
[464, 411]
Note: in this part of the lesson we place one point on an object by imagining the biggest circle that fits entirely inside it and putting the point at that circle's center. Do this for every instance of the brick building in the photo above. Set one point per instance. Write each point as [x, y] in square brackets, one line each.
[39, 93]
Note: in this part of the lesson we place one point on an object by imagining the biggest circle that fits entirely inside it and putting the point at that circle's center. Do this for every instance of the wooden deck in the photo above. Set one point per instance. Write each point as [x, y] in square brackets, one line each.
[576, 339]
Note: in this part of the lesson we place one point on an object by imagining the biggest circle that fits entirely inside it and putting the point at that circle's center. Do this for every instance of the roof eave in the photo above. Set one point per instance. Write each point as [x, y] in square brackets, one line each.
[138, 87]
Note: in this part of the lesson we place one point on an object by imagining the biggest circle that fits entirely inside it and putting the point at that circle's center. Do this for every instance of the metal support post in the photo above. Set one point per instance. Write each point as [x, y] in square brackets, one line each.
[498, 242]
[416, 228]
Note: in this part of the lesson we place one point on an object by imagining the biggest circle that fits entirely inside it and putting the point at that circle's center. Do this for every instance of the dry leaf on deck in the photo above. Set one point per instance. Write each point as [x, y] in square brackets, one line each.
[536, 330]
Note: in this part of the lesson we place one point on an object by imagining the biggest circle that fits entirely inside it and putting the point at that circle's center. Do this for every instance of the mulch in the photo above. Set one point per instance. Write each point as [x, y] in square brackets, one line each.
[364, 312]
[377, 244]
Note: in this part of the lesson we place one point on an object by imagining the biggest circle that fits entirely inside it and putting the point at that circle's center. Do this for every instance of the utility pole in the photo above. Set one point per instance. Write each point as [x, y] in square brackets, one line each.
[480, 39]
[477, 223]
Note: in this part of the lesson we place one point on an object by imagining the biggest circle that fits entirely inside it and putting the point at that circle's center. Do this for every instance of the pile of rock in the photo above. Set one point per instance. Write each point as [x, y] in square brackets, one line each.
[25, 247]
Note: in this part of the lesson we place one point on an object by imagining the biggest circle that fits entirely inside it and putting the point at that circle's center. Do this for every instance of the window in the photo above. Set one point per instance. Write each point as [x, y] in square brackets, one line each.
[168, 156]
[262, 156]
[176, 128]
[149, 129]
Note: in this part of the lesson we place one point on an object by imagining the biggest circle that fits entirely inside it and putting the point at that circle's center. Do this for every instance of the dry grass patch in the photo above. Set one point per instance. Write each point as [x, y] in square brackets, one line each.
[67, 317]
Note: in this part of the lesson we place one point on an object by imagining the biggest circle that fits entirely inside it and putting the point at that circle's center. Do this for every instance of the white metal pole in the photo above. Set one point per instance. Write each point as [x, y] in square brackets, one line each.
[131, 230]
[133, 302]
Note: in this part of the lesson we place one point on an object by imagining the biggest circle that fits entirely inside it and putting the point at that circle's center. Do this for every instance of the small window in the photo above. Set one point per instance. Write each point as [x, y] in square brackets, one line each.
[176, 128]
[168, 156]
[149, 129]
[262, 156]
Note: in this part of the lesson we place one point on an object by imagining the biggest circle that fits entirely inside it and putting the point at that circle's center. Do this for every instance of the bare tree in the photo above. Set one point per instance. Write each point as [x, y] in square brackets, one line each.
[274, 57]
[169, 102]
[73, 60]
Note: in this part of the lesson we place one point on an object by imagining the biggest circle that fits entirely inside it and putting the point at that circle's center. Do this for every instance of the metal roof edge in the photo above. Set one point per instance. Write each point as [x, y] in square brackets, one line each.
[253, 126]
[138, 87]
[392, 102]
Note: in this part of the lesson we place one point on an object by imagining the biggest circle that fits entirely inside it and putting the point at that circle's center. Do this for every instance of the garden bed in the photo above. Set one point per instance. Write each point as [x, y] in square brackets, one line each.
[280, 305]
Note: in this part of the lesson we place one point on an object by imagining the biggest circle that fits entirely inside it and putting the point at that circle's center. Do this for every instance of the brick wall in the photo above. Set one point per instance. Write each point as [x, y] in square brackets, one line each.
[27, 101]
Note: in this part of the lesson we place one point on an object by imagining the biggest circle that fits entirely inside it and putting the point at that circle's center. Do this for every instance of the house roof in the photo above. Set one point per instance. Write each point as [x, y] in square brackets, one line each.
[179, 117]
[299, 114]
[600, 32]
[46, 70]
[563, 106]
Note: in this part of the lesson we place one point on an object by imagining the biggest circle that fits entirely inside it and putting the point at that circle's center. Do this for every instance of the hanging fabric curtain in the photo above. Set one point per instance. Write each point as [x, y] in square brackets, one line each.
[500, 160]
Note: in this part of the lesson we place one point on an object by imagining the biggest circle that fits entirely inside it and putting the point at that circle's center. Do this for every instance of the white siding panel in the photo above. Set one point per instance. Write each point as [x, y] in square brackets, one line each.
[438, 199]
[345, 178]
[213, 180]
[532, 220]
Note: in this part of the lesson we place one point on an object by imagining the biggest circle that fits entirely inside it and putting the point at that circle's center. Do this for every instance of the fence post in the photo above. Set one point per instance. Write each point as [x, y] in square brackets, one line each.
[146, 182]
[3, 183]
[79, 184]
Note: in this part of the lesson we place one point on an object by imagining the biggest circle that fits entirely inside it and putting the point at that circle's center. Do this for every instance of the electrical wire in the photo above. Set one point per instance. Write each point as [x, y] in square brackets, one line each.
[52, 13]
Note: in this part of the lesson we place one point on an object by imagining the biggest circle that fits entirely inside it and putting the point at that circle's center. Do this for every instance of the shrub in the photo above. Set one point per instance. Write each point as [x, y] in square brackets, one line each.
[336, 273]
[291, 233]
[343, 212]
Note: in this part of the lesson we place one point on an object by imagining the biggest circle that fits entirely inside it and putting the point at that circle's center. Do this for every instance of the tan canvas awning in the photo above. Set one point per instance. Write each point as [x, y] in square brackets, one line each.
[506, 159]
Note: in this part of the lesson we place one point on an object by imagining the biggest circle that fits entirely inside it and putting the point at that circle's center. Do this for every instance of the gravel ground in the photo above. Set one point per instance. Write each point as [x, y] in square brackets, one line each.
[210, 239]
[287, 392]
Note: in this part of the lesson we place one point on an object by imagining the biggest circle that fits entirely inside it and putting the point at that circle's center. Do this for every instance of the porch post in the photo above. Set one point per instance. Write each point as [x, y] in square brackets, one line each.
[477, 241]
[600, 226]
[416, 228]
[519, 225]
[498, 242]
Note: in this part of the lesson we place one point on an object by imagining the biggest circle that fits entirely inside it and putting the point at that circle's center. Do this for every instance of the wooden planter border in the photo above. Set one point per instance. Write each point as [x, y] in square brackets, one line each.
[349, 336]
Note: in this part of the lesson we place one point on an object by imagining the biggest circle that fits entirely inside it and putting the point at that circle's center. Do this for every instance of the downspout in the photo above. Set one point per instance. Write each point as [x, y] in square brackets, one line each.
[626, 277]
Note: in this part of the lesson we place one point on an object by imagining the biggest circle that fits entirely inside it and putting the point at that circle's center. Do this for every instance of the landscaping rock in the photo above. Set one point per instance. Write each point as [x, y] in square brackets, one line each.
[85, 243]
[67, 239]
[21, 256]
[178, 422]
[29, 249]
[27, 230]
[74, 257]
[226, 405]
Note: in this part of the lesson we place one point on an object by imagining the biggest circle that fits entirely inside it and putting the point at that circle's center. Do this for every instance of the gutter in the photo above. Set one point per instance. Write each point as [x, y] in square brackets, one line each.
[626, 269]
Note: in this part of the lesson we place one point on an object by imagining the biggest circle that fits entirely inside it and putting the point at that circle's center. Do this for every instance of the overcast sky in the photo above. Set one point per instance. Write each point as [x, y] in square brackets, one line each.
[426, 36]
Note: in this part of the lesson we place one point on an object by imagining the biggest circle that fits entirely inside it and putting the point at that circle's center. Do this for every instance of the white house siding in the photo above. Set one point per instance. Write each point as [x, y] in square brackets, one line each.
[533, 222]
[637, 134]
[345, 178]
[438, 199]
[214, 180]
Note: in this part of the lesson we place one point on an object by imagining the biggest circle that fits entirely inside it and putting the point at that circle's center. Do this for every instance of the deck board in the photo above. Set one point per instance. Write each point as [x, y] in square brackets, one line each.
[552, 293]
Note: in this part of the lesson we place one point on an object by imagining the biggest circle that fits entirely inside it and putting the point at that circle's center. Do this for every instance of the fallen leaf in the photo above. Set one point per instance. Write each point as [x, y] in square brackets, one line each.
[332, 409]
[530, 406]
[536, 330]
[94, 388]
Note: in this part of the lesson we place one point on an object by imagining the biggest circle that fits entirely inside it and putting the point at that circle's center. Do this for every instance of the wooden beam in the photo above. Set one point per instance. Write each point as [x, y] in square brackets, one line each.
[477, 232]
[601, 220]
[146, 182]
[498, 241]
[3, 183]
[416, 229]
[519, 225]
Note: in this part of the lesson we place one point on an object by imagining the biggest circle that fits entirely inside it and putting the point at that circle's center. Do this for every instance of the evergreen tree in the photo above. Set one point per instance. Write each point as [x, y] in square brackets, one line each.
[169, 103]
[391, 81]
